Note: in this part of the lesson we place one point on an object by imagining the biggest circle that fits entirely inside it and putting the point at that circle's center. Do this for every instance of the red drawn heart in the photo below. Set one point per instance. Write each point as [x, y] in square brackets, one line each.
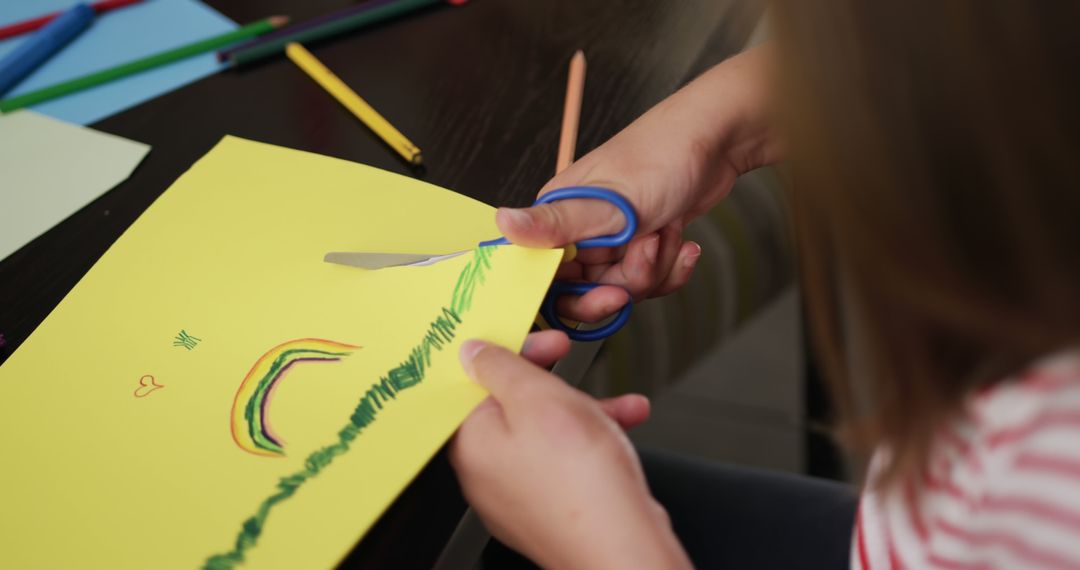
[147, 384]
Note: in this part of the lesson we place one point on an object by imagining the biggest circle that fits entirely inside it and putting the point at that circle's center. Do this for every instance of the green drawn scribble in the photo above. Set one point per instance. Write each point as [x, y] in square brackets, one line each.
[186, 340]
[404, 376]
[253, 409]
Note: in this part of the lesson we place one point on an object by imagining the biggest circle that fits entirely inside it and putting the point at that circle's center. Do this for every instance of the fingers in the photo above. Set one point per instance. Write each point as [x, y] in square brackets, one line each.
[508, 377]
[594, 306]
[596, 255]
[670, 243]
[628, 411]
[637, 270]
[570, 271]
[486, 416]
[681, 270]
[559, 223]
[545, 348]
[486, 424]
[655, 265]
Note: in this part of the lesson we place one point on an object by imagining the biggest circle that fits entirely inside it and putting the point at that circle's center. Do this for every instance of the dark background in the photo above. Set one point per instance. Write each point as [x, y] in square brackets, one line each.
[478, 87]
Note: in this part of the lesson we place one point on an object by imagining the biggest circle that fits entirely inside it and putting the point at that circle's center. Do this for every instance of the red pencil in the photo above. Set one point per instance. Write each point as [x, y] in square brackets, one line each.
[19, 28]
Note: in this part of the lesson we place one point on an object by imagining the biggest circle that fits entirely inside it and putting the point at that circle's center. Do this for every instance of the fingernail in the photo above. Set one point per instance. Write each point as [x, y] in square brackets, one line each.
[470, 348]
[652, 247]
[692, 258]
[516, 217]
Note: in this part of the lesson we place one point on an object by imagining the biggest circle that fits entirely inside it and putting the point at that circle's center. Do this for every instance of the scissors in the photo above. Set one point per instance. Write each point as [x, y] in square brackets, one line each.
[371, 260]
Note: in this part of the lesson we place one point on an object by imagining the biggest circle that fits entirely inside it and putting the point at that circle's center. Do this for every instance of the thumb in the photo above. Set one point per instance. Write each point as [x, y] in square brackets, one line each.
[509, 378]
[558, 224]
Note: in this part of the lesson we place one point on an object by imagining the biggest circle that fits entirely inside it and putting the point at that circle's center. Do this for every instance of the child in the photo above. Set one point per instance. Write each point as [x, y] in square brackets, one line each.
[934, 191]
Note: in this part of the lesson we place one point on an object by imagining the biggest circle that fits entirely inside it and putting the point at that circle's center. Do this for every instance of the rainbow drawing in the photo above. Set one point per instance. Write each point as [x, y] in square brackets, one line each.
[249, 418]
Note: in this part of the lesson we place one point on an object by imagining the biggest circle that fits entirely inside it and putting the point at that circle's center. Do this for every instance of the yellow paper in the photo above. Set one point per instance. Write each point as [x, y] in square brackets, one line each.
[125, 440]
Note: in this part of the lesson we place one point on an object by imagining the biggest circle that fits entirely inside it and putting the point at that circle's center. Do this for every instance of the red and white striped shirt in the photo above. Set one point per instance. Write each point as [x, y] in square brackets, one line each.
[1002, 489]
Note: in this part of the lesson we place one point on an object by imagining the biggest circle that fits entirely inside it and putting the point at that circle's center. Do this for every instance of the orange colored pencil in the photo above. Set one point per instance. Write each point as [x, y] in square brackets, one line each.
[575, 85]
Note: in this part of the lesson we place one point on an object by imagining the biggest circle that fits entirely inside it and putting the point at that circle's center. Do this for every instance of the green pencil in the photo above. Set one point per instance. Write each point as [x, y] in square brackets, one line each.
[139, 65]
[365, 14]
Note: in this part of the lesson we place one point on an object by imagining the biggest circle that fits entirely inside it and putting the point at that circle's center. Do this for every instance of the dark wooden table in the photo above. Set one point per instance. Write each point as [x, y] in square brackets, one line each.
[479, 88]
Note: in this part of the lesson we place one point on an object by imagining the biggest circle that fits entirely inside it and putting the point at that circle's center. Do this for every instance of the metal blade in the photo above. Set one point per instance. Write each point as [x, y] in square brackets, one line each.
[373, 260]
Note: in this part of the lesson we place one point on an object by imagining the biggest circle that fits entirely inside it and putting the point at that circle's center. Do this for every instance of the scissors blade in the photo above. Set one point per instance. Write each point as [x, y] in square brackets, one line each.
[374, 260]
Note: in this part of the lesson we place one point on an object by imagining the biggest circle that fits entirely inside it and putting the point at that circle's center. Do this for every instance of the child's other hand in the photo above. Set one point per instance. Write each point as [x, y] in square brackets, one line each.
[545, 348]
[551, 473]
[673, 164]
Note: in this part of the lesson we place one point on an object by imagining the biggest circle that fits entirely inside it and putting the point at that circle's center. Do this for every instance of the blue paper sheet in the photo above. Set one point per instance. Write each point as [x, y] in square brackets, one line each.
[116, 37]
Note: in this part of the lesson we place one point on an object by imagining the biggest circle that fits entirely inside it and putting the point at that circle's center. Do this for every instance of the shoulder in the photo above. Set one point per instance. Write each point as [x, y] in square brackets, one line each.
[1019, 482]
[1036, 413]
[1002, 488]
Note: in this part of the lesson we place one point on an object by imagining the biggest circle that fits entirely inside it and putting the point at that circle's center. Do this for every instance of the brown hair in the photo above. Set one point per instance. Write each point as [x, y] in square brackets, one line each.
[935, 149]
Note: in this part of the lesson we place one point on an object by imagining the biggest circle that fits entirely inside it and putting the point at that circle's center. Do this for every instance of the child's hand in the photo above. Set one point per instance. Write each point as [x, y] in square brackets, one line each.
[673, 164]
[551, 473]
[545, 348]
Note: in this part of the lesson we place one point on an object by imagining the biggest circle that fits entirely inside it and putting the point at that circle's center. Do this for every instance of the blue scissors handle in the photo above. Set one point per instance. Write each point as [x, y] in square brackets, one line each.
[620, 238]
[560, 288]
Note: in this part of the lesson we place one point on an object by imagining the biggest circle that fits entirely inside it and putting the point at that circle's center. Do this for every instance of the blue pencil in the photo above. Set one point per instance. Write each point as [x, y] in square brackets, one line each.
[42, 45]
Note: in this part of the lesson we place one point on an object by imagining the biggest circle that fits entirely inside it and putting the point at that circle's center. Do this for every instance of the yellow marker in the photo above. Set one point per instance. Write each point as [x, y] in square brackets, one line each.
[347, 97]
